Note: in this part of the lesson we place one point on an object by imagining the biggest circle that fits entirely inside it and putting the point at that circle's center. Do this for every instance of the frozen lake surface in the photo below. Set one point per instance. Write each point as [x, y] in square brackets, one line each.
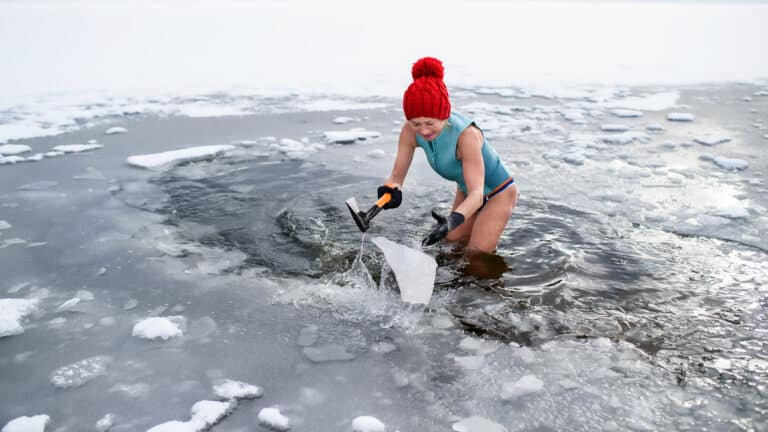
[628, 291]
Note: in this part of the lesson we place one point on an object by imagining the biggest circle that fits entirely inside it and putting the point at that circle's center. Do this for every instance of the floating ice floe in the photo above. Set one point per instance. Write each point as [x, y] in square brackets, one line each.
[344, 120]
[654, 127]
[14, 149]
[477, 424]
[711, 140]
[160, 327]
[75, 148]
[761, 93]
[81, 372]
[231, 389]
[296, 149]
[526, 385]
[731, 212]
[105, 423]
[614, 128]
[27, 424]
[155, 160]
[367, 424]
[414, 270]
[349, 136]
[69, 304]
[115, 130]
[681, 117]
[4, 225]
[626, 113]
[205, 414]
[12, 311]
[625, 138]
[725, 163]
[272, 418]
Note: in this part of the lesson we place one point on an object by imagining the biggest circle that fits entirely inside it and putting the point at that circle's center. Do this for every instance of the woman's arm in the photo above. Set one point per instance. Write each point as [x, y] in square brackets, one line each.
[469, 152]
[406, 147]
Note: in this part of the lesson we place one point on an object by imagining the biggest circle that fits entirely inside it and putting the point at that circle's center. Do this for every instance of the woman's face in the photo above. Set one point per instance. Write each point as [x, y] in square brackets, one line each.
[428, 128]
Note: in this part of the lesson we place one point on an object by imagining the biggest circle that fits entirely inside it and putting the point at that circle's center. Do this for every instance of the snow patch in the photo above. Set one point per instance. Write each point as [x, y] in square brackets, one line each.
[160, 327]
[12, 311]
[367, 424]
[272, 418]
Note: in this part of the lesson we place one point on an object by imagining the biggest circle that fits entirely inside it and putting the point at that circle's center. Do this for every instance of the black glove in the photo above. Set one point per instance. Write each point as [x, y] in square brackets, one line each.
[397, 196]
[444, 225]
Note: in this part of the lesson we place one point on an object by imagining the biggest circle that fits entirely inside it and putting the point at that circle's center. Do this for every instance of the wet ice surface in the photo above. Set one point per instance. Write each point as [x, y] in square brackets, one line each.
[627, 293]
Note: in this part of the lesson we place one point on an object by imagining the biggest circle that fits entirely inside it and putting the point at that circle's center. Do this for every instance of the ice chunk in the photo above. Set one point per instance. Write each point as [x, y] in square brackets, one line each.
[343, 120]
[115, 130]
[349, 136]
[76, 148]
[725, 163]
[204, 415]
[14, 149]
[105, 423]
[326, 353]
[11, 313]
[414, 270]
[367, 424]
[4, 225]
[79, 373]
[655, 127]
[480, 346]
[470, 362]
[231, 389]
[27, 424]
[711, 140]
[681, 117]
[626, 113]
[732, 212]
[272, 418]
[156, 160]
[69, 304]
[159, 327]
[614, 128]
[526, 385]
[478, 424]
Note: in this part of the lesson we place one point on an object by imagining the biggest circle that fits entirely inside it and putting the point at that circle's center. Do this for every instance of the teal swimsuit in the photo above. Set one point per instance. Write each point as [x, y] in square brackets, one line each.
[441, 155]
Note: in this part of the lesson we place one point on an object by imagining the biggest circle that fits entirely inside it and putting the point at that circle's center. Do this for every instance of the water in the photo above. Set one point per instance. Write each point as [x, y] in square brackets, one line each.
[616, 286]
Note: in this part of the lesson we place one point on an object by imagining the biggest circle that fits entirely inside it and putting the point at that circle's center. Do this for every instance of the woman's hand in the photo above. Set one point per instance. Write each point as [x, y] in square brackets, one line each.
[444, 225]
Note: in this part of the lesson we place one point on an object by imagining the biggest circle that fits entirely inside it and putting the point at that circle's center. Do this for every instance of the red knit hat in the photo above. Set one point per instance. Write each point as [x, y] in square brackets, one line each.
[427, 95]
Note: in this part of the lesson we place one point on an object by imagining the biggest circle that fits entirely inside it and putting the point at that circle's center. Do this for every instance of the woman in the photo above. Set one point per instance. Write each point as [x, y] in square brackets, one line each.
[457, 150]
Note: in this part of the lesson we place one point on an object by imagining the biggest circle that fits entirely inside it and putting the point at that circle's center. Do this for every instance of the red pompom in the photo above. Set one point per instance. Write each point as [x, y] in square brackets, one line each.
[427, 67]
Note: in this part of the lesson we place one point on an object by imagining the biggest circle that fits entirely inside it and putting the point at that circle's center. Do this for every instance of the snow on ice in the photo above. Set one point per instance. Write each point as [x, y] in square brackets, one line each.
[168, 158]
[231, 389]
[205, 414]
[160, 327]
[12, 311]
[478, 424]
[367, 424]
[349, 136]
[272, 418]
[681, 117]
